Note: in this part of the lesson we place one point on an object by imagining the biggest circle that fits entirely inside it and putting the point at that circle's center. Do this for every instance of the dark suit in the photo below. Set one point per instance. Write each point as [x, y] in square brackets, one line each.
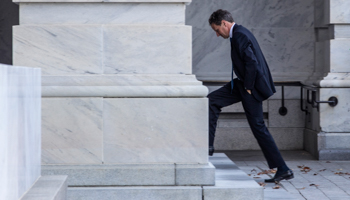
[252, 74]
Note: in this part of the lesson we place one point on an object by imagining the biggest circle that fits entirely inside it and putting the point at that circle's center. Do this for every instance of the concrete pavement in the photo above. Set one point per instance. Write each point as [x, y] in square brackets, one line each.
[314, 180]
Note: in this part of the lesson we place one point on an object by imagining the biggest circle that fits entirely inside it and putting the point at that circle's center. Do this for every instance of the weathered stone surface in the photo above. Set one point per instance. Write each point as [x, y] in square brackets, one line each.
[243, 138]
[155, 130]
[231, 182]
[48, 188]
[113, 13]
[136, 193]
[108, 175]
[203, 174]
[72, 130]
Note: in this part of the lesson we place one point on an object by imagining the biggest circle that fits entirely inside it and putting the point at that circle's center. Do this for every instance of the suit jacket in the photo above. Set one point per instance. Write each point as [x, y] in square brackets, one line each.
[249, 63]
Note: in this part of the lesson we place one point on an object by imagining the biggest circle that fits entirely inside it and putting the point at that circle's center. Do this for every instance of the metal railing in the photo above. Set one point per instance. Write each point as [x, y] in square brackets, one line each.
[310, 99]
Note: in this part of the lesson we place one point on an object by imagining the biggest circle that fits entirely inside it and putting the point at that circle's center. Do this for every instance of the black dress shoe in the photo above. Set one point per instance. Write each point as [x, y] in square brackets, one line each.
[211, 150]
[281, 176]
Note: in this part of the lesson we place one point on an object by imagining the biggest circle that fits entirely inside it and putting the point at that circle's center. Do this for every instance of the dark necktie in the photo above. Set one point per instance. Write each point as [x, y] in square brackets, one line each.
[231, 72]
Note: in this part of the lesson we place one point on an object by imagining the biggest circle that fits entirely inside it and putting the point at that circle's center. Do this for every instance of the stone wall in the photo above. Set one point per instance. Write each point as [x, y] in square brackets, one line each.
[284, 30]
[20, 130]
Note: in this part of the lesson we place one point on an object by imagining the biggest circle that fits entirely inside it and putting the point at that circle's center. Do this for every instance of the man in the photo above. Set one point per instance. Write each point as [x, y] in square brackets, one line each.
[252, 85]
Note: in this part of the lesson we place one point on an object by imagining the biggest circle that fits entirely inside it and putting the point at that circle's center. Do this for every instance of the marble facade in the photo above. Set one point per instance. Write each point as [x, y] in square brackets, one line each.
[302, 40]
[20, 131]
[118, 91]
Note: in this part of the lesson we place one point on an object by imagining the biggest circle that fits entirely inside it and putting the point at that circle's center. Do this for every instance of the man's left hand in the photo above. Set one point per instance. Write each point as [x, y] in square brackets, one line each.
[249, 91]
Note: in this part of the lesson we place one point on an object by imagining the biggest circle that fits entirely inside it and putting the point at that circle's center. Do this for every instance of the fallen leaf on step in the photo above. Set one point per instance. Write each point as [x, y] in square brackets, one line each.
[313, 185]
[256, 177]
[276, 187]
[270, 171]
[262, 184]
[305, 169]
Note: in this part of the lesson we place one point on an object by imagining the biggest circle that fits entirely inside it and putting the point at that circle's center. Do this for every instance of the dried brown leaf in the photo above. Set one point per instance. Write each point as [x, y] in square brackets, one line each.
[276, 187]
[262, 184]
[305, 169]
[271, 171]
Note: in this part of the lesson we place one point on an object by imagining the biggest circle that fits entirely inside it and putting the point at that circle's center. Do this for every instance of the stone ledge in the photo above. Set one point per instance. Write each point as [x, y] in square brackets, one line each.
[336, 154]
[201, 174]
[114, 175]
[333, 83]
[102, 1]
[121, 80]
[136, 193]
[48, 188]
[113, 13]
[135, 174]
[125, 91]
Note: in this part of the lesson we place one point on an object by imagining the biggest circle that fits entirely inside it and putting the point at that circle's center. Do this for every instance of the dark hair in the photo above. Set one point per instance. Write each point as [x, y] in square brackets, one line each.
[220, 15]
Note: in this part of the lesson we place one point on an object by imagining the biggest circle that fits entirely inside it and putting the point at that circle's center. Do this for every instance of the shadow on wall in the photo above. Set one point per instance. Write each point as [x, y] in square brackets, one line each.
[9, 16]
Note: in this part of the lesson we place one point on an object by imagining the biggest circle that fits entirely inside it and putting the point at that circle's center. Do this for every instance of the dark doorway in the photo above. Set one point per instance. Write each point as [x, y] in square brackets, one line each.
[9, 16]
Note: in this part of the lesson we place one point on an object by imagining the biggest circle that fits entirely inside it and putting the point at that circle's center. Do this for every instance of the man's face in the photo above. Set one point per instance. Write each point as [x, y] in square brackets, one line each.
[222, 29]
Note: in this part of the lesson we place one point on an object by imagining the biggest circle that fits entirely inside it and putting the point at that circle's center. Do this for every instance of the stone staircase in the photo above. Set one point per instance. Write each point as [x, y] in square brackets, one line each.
[230, 183]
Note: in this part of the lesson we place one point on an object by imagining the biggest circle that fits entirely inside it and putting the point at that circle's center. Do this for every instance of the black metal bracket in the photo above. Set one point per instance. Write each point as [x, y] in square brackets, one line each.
[332, 101]
[302, 101]
[283, 110]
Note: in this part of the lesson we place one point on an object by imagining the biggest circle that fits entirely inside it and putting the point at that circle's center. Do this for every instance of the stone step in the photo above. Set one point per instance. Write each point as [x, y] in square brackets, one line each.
[48, 188]
[134, 174]
[231, 183]
[136, 193]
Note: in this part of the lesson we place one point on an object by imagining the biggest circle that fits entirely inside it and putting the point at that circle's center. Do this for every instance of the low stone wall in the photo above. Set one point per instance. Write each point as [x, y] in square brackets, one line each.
[20, 129]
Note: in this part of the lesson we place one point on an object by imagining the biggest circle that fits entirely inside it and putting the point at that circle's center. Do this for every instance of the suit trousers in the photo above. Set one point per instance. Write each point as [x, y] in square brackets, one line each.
[253, 109]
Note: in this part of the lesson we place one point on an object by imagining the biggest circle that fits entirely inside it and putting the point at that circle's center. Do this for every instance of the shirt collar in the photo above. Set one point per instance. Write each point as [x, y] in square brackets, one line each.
[232, 29]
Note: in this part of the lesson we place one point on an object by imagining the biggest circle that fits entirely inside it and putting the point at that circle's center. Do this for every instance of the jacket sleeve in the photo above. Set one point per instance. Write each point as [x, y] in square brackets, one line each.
[244, 47]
